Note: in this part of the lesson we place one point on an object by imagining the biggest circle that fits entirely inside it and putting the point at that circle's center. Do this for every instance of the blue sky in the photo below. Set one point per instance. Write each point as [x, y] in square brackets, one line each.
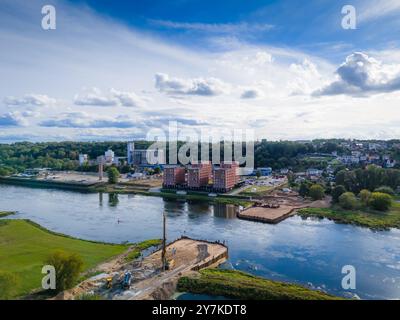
[314, 26]
[118, 69]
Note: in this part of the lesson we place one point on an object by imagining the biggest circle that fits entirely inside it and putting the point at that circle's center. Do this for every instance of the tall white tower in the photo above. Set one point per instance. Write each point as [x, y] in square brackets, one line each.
[130, 151]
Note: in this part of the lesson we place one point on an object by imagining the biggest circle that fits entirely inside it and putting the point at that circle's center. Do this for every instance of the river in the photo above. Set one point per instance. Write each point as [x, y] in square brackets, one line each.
[307, 252]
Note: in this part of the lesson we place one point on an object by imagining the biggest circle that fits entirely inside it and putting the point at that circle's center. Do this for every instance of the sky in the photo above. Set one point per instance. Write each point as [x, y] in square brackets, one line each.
[118, 70]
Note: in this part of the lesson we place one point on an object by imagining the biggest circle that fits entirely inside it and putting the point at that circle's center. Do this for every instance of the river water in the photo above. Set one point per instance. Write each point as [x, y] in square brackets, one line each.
[308, 252]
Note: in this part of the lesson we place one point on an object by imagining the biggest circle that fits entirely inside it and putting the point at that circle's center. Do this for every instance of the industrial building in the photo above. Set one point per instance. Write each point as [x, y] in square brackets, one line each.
[144, 157]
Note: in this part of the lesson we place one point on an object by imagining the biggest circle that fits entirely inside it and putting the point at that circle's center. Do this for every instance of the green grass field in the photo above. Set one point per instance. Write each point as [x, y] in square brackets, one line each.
[24, 246]
[240, 285]
[371, 219]
[256, 191]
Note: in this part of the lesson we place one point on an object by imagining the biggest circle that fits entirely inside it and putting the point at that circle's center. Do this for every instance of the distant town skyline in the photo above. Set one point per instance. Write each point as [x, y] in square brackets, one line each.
[113, 71]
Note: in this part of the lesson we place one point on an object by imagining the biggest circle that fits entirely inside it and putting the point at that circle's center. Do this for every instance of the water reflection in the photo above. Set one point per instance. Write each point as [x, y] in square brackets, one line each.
[113, 199]
[226, 211]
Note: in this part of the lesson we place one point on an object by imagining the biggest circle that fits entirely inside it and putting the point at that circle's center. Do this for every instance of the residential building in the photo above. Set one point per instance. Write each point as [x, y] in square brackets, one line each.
[199, 175]
[173, 175]
[314, 172]
[224, 179]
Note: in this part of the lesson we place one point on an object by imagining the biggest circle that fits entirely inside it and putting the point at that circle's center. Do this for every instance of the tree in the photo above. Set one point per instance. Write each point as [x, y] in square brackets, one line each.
[113, 175]
[337, 192]
[8, 285]
[304, 189]
[5, 171]
[348, 201]
[380, 201]
[317, 192]
[364, 196]
[157, 170]
[68, 266]
[385, 189]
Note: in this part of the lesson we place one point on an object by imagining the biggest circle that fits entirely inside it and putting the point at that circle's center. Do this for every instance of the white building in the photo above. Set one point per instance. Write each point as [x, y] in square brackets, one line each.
[83, 158]
[109, 156]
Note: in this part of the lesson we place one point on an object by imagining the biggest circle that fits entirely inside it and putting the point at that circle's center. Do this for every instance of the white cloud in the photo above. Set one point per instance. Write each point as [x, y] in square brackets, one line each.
[375, 9]
[230, 28]
[191, 86]
[361, 75]
[30, 100]
[252, 93]
[95, 97]
[11, 119]
[84, 120]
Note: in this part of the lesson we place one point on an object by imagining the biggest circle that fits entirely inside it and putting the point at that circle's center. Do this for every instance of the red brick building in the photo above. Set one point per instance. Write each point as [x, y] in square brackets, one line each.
[199, 175]
[226, 176]
[173, 175]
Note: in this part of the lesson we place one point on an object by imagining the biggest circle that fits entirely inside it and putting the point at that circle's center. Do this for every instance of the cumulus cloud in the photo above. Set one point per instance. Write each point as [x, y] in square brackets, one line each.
[30, 100]
[305, 76]
[361, 75]
[251, 94]
[11, 119]
[83, 120]
[191, 86]
[95, 97]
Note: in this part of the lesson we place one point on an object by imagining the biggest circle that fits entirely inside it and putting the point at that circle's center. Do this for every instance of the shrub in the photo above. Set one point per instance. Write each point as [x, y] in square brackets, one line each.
[89, 296]
[364, 196]
[8, 285]
[380, 201]
[68, 266]
[317, 192]
[113, 175]
[385, 189]
[337, 192]
[348, 200]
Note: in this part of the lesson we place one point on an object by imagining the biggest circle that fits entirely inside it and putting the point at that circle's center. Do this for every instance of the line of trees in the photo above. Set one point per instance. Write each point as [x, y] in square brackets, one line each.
[374, 187]
[370, 178]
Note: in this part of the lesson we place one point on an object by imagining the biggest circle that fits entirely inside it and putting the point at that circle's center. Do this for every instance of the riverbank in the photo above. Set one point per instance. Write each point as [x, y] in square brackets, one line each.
[239, 285]
[125, 188]
[24, 246]
[4, 214]
[149, 280]
[372, 219]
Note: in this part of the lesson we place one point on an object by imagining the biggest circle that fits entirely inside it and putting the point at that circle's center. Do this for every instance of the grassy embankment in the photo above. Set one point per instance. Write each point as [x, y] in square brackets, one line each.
[138, 248]
[24, 246]
[239, 285]
[6, 213]
[364, 217]
[256, 191]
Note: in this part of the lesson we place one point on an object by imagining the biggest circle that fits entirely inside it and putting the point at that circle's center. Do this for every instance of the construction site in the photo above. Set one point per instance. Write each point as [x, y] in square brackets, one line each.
[279, 205]
[151, 276]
